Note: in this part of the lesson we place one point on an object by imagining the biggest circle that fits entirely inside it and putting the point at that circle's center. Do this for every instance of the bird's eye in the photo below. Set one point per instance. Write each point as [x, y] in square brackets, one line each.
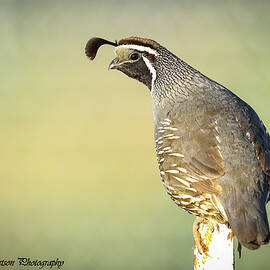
[134, 56]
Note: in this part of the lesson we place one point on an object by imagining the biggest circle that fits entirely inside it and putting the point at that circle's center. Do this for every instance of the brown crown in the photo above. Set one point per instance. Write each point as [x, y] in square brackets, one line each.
[139, 41]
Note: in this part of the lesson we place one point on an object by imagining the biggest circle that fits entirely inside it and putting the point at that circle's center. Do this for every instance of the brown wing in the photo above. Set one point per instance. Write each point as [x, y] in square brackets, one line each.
[190, 161]
[204, 161]
[197, 141]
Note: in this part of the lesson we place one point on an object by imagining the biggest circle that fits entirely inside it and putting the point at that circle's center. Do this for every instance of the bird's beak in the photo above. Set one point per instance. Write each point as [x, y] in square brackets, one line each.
[114, 64]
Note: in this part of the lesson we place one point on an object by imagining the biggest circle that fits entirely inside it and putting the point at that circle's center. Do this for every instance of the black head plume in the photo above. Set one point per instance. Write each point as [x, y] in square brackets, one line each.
[93, 45]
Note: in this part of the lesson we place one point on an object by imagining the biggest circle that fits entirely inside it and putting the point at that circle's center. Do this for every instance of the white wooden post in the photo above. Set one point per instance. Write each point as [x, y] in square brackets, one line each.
[217, 245]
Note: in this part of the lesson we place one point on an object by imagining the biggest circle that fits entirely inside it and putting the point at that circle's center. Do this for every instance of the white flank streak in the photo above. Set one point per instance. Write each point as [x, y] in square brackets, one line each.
[169, 187]
[164, 123]
[192, 189]
[166, 148]
[177, 197]
[160, 152]
[162, 159]
[172, 171]
[159, 147]
[171, 128]
[168, 120]
[182, 181]
[160, 142]
[162, 173]
[191, 179]
[212, 201]
[186, 197]
[168, 135]
[185, 203]
[139, 48]
[182, 170]
[204, 206]
[174, 137]
[176, 155]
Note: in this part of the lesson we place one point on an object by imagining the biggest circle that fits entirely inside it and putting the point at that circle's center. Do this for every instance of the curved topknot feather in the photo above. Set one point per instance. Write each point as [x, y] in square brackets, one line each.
[93, 45]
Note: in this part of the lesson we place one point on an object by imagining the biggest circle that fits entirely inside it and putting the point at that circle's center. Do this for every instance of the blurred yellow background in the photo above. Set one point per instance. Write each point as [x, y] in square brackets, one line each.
[79, 177]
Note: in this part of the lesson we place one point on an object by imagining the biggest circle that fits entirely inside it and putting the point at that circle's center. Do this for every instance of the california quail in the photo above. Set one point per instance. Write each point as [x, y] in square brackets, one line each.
[213, 150]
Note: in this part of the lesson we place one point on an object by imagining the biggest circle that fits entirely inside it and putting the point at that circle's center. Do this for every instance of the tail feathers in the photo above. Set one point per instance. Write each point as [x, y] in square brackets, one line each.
[252, 231]
[248, 218]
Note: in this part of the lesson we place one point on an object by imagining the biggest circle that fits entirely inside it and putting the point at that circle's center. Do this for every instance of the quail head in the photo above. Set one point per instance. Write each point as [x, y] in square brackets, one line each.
[213, 150]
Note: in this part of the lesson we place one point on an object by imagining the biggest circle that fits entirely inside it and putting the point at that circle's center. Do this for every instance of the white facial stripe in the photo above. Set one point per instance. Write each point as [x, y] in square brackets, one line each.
[139, 48]
[151, 69]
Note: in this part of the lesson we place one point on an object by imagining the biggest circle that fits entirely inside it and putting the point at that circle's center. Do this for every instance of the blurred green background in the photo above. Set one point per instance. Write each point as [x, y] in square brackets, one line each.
[79, 177]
